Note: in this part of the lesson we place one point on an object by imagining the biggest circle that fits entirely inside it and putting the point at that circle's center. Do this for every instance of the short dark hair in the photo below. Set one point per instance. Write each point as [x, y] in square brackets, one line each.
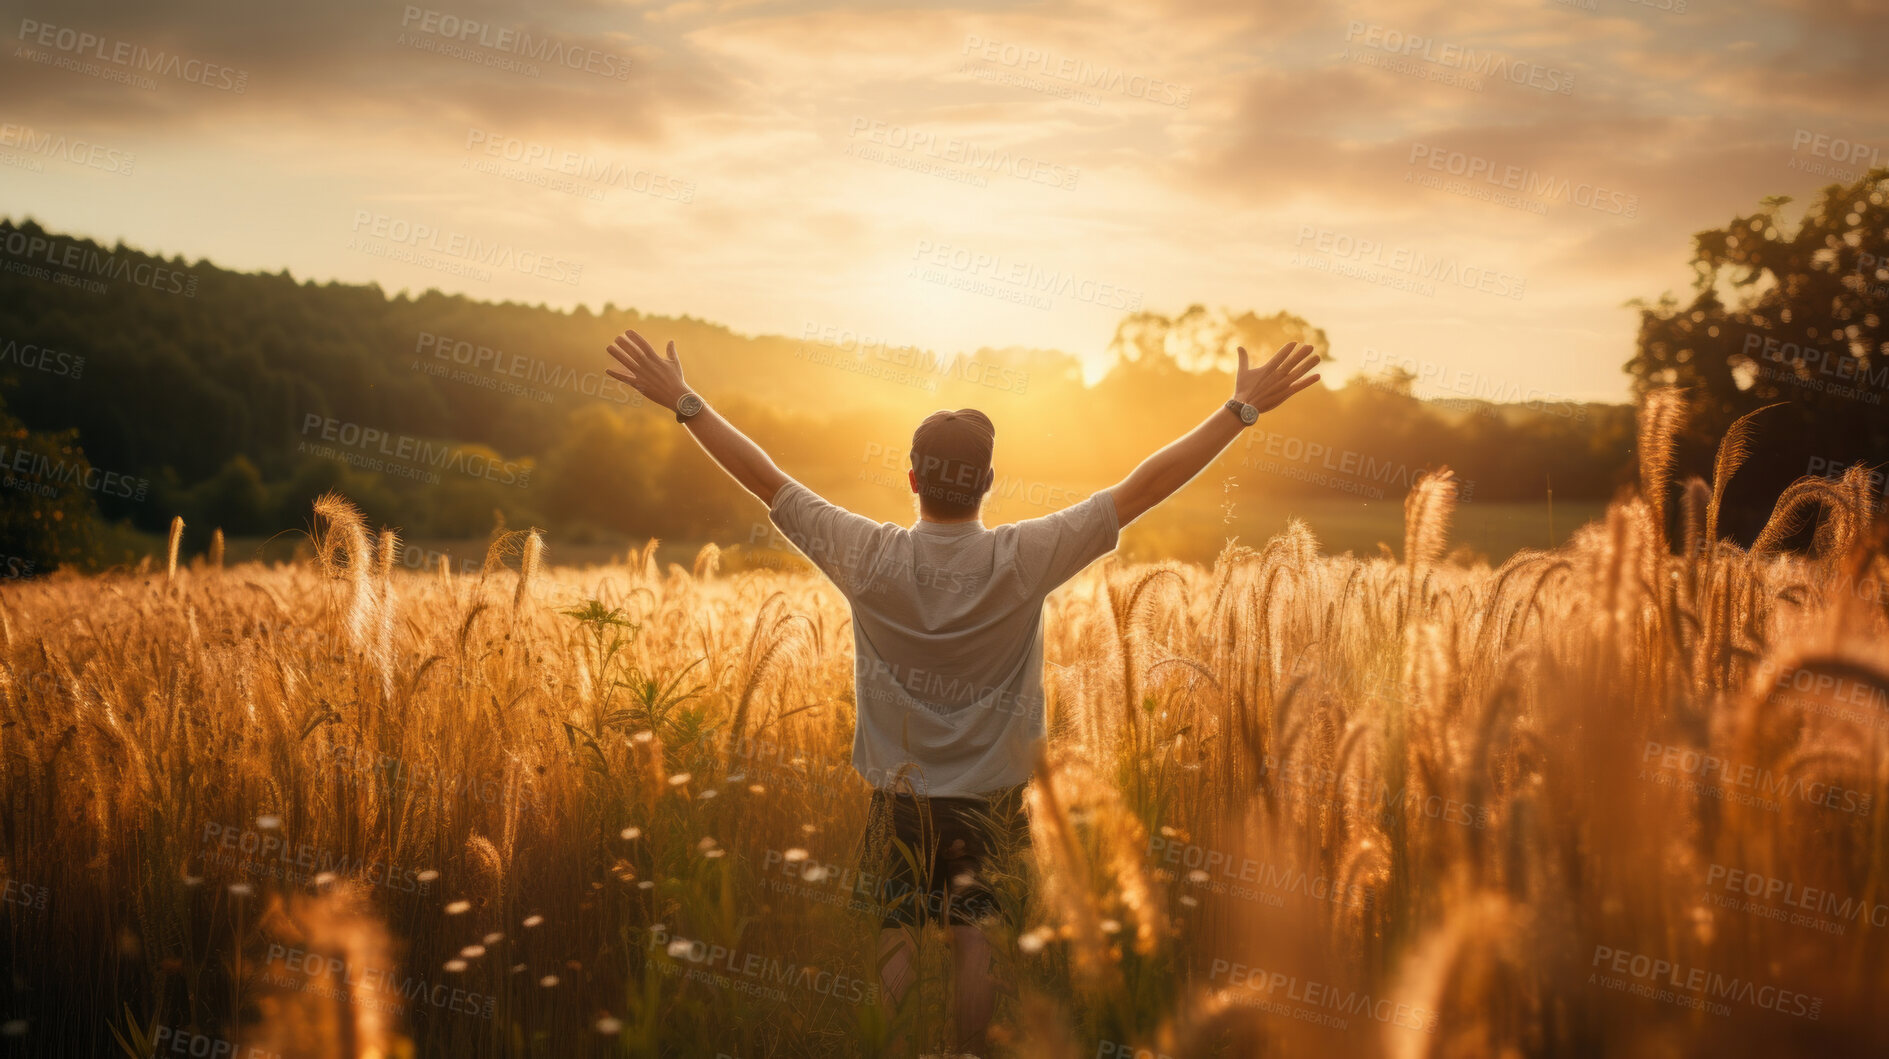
[950, 488]
[951, 453]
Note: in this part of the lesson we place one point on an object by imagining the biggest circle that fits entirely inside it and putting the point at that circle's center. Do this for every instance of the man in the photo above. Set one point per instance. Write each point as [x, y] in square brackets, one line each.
[948, 637]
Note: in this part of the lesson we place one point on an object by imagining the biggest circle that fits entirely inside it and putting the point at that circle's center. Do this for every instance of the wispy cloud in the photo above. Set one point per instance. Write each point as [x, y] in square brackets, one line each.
[1173, 151]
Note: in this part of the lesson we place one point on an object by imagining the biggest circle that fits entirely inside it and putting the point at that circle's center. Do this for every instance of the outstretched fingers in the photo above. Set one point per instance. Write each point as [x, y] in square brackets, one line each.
[642, 366]
[1287, 383]
[640, 342]
[1279, 357]
[621, 353]
[1300, 361]
[633, 358]
[622, 357]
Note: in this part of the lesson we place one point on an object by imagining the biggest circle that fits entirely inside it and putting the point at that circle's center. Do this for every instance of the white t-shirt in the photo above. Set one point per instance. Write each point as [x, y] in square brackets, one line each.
[947, 633]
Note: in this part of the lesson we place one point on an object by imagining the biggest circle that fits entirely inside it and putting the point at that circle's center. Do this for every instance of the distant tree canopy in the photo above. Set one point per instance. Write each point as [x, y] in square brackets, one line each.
[1168, 369]
[1783, 312]
[48, 517]
[234, 399]
[1202, 340]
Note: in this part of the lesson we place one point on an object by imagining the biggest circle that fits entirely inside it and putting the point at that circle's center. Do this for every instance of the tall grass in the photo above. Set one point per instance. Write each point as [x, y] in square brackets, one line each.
[1421, 804]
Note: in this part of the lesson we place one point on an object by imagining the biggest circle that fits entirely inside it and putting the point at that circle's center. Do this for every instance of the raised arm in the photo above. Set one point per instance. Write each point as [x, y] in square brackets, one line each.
[1264, 388]
[660, 379]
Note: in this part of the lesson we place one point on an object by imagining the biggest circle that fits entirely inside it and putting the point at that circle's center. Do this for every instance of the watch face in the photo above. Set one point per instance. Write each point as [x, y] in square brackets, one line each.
[689, 405]
[1248, 414]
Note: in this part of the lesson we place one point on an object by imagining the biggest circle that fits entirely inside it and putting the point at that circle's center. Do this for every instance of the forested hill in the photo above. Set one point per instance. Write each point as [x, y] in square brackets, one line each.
[234, 398]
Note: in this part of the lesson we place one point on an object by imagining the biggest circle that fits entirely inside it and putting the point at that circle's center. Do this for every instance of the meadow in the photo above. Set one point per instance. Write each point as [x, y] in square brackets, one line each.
[1194, 530]
[1620, 797]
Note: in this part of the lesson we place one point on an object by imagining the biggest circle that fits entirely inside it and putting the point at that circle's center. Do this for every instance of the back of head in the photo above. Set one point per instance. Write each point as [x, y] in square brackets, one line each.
[951, 454]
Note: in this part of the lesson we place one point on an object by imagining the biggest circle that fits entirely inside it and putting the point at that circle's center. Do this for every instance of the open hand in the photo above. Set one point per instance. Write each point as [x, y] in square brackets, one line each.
[657, 378]
[1267, 386]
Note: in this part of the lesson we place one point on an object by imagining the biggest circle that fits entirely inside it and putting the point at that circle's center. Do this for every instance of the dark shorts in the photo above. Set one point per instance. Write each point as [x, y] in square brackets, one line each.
[943, 872]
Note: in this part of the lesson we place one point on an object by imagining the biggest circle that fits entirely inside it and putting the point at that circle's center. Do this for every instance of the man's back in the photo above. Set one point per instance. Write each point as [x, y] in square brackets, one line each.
[948, 630]
[947, 633]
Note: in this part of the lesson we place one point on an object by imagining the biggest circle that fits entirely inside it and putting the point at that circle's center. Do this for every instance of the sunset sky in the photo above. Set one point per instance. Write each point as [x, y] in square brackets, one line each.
[963, 176]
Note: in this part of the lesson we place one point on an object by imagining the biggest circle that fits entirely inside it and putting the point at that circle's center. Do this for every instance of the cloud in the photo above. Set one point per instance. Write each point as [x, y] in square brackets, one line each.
[823, 139]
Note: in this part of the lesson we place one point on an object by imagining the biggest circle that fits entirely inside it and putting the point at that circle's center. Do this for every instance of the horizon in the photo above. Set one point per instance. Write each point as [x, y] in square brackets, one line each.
[468, 587]
[996, 178]
[1422, 385]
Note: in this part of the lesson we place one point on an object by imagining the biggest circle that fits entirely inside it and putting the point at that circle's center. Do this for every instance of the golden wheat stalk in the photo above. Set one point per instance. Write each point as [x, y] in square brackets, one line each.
[1662, 417]
[528, 568]
[1428, 509]
[707, 561]
[177, 538]
[341, 530]
[1733, 449]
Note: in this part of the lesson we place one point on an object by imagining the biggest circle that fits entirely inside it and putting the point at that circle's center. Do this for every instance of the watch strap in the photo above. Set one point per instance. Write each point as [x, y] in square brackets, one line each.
[1238, 408]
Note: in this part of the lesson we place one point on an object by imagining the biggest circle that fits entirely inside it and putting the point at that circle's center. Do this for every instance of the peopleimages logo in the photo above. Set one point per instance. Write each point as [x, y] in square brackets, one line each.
[1076, 71]
[978, 271]
[30, 141]
[1696, 986]
[1811, 899]
[543, 165]
[410, 451]
[39, 358]
[1401, 266]
[323, 974]
[919, 367]
[511, 41]
[69, 258]
[470, 250]
[917, 142]
[1587, 196]
[1459, 57]
[1830, 370]
[1835, 149]
[1714, 776]
[1431, 380]
[514, 373]
[36, 474]
[132, 57]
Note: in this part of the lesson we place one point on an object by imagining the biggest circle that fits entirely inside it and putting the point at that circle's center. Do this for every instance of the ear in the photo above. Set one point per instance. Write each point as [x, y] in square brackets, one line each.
[990, 478]
[912, 477]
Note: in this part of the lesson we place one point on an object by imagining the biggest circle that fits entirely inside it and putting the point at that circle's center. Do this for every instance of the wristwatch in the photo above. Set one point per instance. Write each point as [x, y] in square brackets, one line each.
[687, 405]
[1247, 413]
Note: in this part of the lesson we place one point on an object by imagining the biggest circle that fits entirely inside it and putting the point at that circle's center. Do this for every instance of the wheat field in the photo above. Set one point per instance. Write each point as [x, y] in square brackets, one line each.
[1622, 798]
